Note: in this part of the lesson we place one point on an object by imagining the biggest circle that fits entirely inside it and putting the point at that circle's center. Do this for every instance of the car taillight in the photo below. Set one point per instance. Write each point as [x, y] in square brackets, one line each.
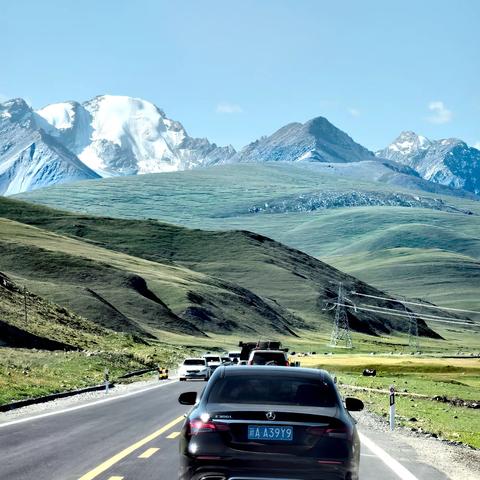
[343, 433]
[198, 426]
[287, 364]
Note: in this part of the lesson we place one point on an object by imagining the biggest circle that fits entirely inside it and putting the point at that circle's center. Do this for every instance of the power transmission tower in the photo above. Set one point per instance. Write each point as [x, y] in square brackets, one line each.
[341, 328]
[413, 341]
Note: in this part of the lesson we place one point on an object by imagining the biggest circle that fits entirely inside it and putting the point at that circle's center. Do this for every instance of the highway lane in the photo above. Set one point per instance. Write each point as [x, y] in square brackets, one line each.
[135, 437]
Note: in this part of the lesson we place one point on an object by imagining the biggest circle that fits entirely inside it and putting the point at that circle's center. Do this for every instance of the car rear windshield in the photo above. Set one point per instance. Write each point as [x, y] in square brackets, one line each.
[212, 359]
[262, 358]
[194, 361]
[273, 390]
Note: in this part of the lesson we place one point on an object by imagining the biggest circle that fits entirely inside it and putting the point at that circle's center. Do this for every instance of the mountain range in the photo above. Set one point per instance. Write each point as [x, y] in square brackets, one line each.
[448, 161]
[119, 135]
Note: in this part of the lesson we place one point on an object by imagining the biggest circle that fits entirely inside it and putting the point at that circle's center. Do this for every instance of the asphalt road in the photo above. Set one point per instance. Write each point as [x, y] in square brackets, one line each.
[134, 437]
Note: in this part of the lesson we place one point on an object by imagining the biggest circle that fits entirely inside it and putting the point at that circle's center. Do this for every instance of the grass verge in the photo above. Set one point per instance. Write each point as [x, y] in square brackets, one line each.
[27, 373]
[451, 377]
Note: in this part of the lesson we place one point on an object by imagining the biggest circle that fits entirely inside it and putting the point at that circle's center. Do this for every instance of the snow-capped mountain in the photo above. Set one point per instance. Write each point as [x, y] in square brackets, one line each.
[119, 135]
[448, 161]
[316, 140]
[29, 157]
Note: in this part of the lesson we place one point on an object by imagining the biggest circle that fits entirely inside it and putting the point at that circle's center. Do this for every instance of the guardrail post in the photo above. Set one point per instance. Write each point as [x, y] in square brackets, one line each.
[106, 379]
[392, 407]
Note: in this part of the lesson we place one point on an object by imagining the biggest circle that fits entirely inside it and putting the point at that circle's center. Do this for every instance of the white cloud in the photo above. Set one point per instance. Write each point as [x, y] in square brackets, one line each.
[354, 112]
[440, 113]
[477, 145]
[226, 107]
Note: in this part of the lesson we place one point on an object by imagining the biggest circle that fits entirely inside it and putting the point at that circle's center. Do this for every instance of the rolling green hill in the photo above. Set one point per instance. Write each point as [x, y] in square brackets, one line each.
[422, 245]
[146, 277]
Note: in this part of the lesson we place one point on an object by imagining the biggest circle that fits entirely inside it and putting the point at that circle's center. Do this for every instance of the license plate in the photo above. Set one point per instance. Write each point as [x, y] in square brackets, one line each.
[265, 432]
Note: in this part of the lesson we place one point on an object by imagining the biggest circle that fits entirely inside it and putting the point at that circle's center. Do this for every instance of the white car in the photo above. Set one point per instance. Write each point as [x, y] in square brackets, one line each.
[234, 356]
[194, 368]
[213, 361]
[268, 357]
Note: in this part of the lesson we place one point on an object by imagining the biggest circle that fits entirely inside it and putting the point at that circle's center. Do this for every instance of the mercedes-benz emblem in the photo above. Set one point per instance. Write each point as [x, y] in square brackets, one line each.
[270, 415]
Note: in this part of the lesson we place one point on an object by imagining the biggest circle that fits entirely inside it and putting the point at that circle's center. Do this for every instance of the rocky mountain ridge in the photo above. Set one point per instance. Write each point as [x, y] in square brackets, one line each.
[448, 161]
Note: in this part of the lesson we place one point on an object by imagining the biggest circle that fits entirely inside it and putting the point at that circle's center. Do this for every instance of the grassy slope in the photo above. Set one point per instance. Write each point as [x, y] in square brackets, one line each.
[128, 293]
[430, 254]
[287, 280]
[51, 321]
[36, 366]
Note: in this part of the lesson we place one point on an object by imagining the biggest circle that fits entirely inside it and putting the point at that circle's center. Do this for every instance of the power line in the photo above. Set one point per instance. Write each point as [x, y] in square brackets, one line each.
[426, 316]
[425, 305]
[391, 312]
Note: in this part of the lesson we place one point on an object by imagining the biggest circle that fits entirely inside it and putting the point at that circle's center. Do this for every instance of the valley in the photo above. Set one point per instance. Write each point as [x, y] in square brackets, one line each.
[425, 245]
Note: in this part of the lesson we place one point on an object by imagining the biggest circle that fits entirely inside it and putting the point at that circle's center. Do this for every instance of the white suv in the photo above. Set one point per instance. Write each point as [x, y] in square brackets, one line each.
[268, 357]
[194, 368]
[213, 361]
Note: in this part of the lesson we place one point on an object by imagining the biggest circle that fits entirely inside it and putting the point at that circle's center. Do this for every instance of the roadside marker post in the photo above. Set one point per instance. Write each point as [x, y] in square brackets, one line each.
[392, 407]
[106, 380]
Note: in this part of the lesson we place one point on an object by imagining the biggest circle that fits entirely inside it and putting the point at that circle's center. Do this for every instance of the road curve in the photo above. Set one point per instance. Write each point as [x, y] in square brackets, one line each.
[135, 437]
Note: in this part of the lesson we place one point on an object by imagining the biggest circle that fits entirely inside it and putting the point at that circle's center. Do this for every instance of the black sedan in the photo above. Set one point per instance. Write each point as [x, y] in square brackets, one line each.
[269, 423]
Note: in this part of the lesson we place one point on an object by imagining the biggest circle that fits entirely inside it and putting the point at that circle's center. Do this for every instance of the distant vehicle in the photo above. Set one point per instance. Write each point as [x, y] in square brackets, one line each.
[226, 360]
[268, 357]
[247, 347]
[234, 356]
[269, 423]
[194, 368]
[213, 361]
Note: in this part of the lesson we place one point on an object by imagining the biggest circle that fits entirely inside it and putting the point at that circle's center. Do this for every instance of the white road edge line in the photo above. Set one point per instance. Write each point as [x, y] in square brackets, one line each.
[387, 459]
[86, 405]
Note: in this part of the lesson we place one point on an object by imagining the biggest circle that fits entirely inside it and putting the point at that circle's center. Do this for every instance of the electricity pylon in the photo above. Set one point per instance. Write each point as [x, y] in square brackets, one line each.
[413, 341]
[341, 328]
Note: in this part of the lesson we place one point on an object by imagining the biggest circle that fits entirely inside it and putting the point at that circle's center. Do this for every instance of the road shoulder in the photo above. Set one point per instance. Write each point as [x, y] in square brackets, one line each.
[424, 456]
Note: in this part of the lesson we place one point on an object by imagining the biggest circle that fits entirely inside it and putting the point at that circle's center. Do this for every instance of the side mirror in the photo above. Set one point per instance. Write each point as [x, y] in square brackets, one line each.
[353, 404]
[187, 398]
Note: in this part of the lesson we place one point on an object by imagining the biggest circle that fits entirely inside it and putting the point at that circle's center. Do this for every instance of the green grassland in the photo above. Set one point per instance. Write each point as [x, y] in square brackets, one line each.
[417, 252]
[194, 282]
[52, 349]
[429, 376]
[161, 291]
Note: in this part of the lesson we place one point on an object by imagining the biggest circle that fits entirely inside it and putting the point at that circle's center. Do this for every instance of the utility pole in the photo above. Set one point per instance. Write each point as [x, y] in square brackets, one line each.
[413, 341]
[341, 327]
[25, 303]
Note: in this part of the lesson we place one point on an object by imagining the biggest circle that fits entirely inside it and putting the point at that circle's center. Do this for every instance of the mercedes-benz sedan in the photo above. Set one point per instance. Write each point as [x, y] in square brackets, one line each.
[268, 423]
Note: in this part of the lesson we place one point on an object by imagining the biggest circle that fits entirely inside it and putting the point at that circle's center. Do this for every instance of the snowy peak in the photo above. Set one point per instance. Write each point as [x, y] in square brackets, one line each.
[408, 142]
[316, 140]
[120, 135]
[29, 157]
[60, 115]
[448, 161]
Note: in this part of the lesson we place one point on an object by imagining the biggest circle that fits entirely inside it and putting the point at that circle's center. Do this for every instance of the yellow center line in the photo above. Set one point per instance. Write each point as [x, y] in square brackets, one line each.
[148, 453]
[127, 451]
[174, 435]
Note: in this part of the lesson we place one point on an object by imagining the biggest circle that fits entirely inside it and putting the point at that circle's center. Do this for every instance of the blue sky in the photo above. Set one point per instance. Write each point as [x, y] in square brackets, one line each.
[235, 70]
